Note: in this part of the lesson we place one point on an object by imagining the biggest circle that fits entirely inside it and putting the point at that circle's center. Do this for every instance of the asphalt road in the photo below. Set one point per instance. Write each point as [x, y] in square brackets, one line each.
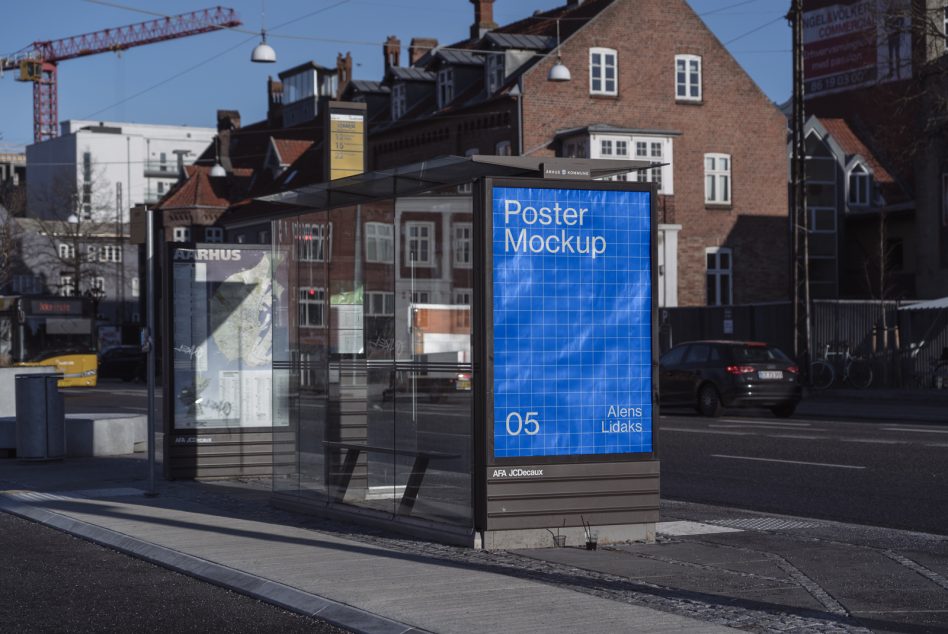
[54, 582]
[890, 474]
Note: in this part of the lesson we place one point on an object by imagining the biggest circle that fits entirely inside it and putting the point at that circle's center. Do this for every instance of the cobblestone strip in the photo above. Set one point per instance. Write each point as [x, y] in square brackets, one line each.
[914, 566]
[815, 589]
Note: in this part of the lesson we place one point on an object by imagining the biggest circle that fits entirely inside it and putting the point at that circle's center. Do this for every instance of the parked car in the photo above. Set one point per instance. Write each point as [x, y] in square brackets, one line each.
[712, 375]
[122, 362]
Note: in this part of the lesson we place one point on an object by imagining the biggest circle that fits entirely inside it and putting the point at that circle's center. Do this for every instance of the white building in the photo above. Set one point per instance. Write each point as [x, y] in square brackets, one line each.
[102, 168]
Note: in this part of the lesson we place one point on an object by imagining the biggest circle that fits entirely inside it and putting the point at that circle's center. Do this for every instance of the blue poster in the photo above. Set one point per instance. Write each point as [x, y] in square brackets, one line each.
[572, 314]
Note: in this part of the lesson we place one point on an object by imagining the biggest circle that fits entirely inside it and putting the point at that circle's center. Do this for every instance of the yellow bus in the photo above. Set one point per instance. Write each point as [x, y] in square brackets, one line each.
[53, 331]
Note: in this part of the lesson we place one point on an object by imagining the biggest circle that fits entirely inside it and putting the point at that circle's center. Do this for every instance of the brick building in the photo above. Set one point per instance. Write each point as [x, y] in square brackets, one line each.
[875, 96]
[649, 81]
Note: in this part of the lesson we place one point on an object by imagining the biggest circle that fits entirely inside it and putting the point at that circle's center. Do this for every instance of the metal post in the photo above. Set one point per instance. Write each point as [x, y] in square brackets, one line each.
[150, 343]
[799, 220]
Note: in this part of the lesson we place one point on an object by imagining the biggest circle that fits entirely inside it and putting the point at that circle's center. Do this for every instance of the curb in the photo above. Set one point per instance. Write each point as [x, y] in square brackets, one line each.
[274, 593]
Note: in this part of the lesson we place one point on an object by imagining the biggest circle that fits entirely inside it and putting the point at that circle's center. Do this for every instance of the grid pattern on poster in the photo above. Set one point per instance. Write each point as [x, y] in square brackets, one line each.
[572, 332]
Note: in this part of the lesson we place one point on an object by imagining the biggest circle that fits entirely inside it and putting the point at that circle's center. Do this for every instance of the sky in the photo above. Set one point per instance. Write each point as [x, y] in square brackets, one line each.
[186, 81]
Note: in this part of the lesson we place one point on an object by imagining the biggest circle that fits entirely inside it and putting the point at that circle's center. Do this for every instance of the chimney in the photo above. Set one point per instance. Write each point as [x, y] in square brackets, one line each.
[228, 120]
[393, 51]
[274, 102]
[420, 46]
[483, 18]
[343, 72]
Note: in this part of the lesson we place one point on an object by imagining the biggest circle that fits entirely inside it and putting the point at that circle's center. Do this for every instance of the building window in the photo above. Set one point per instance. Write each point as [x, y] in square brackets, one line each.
[419, 237]
[110, 253]
[86, 185]
[822, 220]
[602, 71]
[163, 160]
[719, 274]
[312, 307]
[495, 72]
[462, 313]
[181, 234]
[419, 297]
[97, 284]
[213, 234]
[944, 200]
[66, 286]
[379, 242]
[462, 245]
[717, 179]
[445, 87]
[379, 304]
[25, 285]
[314, 242]
[399, 101]
[503, 148]
[67, 251]
[860, 184]
[605, 148]
[687, 78]
[136, 287]
[944, 25]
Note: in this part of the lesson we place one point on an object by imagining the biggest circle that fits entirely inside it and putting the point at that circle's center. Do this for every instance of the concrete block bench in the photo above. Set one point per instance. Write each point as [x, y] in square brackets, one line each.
[90, 434]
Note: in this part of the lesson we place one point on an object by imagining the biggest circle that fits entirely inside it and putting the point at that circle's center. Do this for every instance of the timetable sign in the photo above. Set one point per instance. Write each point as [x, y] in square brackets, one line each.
[572, 321]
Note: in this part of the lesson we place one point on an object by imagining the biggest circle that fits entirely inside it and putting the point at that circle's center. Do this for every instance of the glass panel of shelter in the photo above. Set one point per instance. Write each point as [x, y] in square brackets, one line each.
[378, 346]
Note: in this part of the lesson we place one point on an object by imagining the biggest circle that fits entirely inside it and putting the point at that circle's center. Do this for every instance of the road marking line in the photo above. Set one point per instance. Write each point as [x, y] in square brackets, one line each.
[920, 431]
[812, 464]
[877, 441]
[707, 431]
[761, 422]
[796, 436]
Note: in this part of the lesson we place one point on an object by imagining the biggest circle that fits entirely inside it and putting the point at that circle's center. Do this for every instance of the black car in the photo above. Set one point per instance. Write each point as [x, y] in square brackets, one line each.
[711, 375]
[122, 362]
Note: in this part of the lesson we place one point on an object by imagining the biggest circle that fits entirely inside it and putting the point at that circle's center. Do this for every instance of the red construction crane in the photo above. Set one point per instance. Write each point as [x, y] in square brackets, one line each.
[37, 62]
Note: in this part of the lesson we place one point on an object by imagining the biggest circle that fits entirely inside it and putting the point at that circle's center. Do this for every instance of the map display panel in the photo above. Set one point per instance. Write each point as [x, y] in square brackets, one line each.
[572, 316]
[222, 337]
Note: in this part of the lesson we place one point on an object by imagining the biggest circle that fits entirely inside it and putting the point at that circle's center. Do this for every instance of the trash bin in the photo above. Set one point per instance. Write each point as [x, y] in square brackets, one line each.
[40, 418]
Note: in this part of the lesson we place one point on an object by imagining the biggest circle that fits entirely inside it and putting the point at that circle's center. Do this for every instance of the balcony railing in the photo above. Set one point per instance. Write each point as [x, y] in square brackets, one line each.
[160, 170]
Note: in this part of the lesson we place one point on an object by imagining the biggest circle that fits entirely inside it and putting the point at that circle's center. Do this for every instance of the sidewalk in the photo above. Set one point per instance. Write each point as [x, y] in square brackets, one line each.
[894, 405]
[226, 533]
[711, 569]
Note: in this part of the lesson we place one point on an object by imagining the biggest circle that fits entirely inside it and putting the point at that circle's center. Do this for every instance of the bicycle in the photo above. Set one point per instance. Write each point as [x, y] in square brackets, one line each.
[856, 371]
[933, 377]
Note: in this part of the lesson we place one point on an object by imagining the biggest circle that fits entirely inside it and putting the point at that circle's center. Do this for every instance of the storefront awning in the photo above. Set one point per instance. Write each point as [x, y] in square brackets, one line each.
[931, 304]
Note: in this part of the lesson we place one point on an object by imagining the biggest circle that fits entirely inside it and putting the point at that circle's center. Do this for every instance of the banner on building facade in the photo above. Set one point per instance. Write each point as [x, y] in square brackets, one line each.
[855, 44]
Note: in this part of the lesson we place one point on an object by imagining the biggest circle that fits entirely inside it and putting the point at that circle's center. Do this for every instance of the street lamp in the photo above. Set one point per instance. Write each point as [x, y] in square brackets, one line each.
[263, 53]
[558, 72]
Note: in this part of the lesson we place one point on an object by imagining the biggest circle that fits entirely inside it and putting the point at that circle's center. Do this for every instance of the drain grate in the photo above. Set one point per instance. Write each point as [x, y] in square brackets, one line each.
[764, 523]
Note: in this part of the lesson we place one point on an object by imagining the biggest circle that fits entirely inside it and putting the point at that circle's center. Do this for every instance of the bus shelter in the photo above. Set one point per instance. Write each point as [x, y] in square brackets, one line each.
[465, 349]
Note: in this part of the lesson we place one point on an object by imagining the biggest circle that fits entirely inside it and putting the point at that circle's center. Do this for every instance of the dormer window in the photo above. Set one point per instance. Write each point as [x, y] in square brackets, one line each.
[445, 87]
[399, 102]
[860, 185]
[495, 72]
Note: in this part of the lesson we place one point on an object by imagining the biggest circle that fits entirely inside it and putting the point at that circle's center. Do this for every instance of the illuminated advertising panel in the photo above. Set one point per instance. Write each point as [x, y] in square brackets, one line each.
[572, 320]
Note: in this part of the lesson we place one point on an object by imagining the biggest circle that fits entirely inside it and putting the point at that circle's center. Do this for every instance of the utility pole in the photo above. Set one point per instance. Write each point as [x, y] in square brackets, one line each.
[799, 221]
